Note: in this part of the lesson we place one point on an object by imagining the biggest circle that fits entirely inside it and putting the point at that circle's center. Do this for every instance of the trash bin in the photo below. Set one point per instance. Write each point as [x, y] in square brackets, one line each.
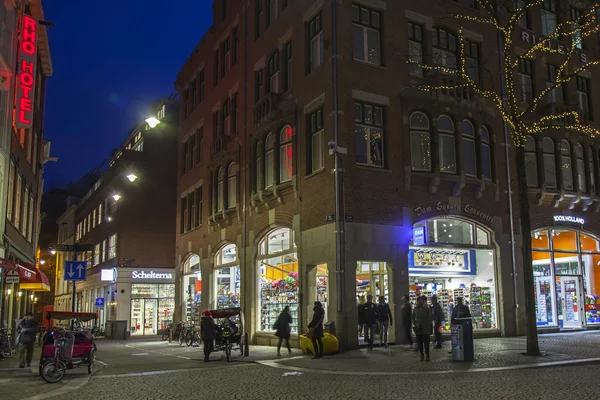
[117, 329]
[462, 339]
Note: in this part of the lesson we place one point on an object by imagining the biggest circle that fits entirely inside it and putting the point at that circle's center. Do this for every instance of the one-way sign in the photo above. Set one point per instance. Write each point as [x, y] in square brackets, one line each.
[75, 270]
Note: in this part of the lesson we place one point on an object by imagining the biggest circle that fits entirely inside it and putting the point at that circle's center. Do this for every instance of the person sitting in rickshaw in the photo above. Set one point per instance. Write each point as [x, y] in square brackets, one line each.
[232, 326]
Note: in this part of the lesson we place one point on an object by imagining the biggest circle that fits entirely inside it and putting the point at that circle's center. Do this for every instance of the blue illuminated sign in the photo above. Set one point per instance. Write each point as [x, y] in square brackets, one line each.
[419, 236]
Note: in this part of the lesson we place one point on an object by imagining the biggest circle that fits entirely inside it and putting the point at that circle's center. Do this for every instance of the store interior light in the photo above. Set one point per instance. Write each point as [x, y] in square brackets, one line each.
[31, 296]
[19, 294]
[8, 292]
[152, 122]
[42, 262]
[116, 196]
[53, 252]
[131, 177]
[35, 299]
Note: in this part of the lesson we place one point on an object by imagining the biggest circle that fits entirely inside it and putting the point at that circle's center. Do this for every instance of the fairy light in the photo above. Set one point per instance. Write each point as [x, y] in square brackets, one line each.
[511, 108]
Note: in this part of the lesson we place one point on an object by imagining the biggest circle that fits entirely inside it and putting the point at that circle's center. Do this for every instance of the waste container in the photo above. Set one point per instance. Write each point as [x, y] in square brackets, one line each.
[462, 339]
[117, 329]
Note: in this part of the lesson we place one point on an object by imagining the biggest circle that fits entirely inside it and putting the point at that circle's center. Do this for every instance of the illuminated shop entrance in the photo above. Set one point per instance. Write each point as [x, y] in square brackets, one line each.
[452, 258]
[566, 272]
[227, 278]
[373, 278]
[192, 288]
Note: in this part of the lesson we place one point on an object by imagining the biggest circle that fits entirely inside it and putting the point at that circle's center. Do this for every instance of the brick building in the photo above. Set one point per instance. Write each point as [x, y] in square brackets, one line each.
[128, 219]
[425, 175]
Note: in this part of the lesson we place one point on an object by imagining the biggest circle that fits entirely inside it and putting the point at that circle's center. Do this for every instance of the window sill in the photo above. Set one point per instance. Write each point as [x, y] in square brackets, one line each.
[317, 172]
[368, 64]
[373, 168]
[190, 231]
[315, 69]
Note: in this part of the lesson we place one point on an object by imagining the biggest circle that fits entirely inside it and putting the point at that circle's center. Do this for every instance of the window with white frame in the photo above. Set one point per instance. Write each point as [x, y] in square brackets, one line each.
[274, 73]
[531, 171]
[549, 17]
[420, 142]
[447, 144]
[555, 95]
[316, 142]
[112, 246]
[286, 154]
[566, 165]
[415, 48]
[315, 40]
[472, 60]
[232, 185]
[366, 35]
[525, 81]
[576, 18]
[220, 188]
[486, 154]
[269, 161]
[469, 155]
[444, 48]
[97, 254]
[549, 162]
[94, 218]
[580, 165]
[104, 251]
[583, 96]
[368, 134]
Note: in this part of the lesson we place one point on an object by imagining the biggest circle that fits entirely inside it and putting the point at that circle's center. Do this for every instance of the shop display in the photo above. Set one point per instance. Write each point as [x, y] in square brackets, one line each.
[480, 304]
[592, 304]
[277, 294]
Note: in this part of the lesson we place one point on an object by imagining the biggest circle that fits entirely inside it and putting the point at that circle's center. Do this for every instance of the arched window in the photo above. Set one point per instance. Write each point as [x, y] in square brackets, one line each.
[468, 148]
[531, 171]
[257, 166]
[549, 159]
[285, 154]
[269, 173]
[420, 142]
[446, 134]
[592, 171]
[220, 184]
[580, 164]
[227, 280]
[566, 165]
[486, 154]
[231, 185]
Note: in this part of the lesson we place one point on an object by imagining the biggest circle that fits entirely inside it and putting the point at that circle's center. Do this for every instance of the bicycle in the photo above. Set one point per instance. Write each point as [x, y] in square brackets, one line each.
[7, 346]
[183, 336]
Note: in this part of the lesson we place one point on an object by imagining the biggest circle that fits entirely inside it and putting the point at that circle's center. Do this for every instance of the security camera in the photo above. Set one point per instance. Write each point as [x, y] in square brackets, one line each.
[332, 144]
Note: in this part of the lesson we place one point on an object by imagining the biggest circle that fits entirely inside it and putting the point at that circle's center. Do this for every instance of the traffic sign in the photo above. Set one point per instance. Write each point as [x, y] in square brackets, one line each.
[75, 270]
[83, 247]
[12, 276]
[71, 247]
[99, 301]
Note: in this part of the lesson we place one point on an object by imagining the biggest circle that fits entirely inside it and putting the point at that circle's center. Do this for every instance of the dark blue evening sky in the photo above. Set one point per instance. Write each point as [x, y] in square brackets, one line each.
[111, 60]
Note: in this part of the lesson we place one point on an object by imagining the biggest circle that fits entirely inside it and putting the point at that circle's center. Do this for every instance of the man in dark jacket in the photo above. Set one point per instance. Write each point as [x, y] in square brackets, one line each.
[371, 315]
[27, 330]
[208, 331]
[407, 319]
[438, 317]
[316, 324]
[385, 320]
[461, 310]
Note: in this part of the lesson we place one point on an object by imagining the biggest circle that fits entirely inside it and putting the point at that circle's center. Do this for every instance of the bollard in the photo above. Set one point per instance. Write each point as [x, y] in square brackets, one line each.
[125, 334]
[246, 345]
[170, 335]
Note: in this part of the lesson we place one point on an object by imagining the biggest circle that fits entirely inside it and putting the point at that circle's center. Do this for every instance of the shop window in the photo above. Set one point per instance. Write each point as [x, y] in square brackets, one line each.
[540, 240]
[447, 144]
[152, 308]
[372, 278]
[449, 231]
[269, 161]
[227, 277]
[566, 167]
[468, 149]
[192, 281]
[580, 168]
[483, 238]
[286, 158]
[545, 302]
[322, 286]
[278, 278]
[420, 142]
[549, 160]
[564, 240]
[588, 243]
[531, 171]
[231, 185]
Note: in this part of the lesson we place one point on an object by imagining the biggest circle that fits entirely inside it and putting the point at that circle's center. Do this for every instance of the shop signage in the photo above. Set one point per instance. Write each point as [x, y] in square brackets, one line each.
[26, 71]
[439, 207]
[568, 219]
[108, 275]
[469, 209]
[530, 38]
[150, 275]
[12, 277]
[419, 236]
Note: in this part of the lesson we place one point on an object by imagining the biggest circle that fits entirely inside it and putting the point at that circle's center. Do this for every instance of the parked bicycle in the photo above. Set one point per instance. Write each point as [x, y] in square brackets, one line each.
[176, 332]
[190, 335]
[7, 345]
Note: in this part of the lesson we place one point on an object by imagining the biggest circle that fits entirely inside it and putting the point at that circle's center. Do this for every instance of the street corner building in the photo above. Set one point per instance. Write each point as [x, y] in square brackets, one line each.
[304, 130]
[122, 229]
[25, 65]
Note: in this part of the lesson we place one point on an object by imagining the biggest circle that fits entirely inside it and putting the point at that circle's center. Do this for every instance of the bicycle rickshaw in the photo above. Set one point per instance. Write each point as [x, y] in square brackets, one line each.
[63, 349]
[230, 330]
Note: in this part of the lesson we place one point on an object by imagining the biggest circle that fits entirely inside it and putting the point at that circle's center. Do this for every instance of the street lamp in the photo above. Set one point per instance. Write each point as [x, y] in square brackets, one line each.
[8, 292]
[31, 296]
[53, 252]
[42, 262]
[116, 197]
[131, 177]
[19, 293]
[152, 122]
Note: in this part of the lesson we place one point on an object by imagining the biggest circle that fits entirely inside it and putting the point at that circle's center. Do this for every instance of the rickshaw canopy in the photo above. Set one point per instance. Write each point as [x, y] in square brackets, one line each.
[68, 315]
[226, 312]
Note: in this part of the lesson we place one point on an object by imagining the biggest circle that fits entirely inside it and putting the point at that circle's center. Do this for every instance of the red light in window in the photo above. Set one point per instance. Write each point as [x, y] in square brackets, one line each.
[26, 72]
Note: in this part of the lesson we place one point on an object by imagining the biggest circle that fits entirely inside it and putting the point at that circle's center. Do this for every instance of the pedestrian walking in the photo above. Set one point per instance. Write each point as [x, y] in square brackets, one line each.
[422, 320]
[282, 329]
[208, 331]
[438, 317]
[385, 320]
[27, 330]
[315, 329]
[461, 310]
[371, 315]
[361, 316]
[407, 319]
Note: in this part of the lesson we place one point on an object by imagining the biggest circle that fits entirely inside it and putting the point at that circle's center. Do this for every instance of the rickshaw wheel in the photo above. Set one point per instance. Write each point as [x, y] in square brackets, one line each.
[92, 360]
[228, 352]
[52, 374]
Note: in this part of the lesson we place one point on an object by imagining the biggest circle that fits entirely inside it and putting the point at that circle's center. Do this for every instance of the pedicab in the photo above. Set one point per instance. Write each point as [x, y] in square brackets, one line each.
[63, 349]
[230, 330]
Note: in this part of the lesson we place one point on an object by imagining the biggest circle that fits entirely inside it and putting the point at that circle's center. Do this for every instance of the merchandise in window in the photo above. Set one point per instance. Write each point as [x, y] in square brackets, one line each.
[368, 133]
[227, 277]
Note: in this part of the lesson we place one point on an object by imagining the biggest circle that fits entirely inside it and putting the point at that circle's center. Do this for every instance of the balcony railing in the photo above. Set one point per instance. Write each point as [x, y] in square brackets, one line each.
[266, 108]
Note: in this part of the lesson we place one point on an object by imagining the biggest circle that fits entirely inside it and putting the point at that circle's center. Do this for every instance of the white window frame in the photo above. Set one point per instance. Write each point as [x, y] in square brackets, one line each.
[371, 127]
[420, 129]
[317, 158]
[549, 17]
[269, 166]
[232, 185]
[96, 254]
[366, 28]
[315, 42]
[112, 246]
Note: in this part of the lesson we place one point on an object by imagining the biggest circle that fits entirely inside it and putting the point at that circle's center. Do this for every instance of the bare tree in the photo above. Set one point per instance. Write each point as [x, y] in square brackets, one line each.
[521, 111]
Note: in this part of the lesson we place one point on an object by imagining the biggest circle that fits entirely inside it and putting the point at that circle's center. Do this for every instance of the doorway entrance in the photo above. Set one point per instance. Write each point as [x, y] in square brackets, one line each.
[143, 316]
[568, 294]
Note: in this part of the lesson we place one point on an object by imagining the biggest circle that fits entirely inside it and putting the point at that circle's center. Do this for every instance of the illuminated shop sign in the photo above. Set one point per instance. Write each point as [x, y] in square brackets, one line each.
[419, 236]
[26, 72]
[150, 275]
[441, 262]
[530, 38]
[108, 275]
[569, 219]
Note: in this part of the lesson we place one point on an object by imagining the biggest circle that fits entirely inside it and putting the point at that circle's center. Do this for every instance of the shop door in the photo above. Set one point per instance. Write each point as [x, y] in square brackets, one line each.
[568, 291]
[150, 317]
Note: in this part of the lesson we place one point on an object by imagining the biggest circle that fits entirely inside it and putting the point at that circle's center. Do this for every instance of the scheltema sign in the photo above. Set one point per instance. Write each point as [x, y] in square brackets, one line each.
[150, 275]
[26, 71]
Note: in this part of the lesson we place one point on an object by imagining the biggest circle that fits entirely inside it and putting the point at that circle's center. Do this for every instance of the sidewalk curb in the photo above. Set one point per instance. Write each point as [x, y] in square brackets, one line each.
[566, 363]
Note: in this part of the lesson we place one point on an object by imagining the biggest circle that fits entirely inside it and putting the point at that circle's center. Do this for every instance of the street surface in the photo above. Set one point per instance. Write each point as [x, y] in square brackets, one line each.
[156, 370]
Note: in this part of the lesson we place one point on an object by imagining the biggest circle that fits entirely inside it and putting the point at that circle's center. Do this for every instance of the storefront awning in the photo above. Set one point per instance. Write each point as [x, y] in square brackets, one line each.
[37, 283]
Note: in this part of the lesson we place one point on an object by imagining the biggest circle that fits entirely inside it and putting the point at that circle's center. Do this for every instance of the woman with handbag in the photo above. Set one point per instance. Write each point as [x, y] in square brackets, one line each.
[283, 329]
[315, 329]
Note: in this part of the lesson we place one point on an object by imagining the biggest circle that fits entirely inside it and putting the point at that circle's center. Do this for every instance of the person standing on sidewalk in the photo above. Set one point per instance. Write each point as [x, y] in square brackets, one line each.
[316, 328]
[283, 329]
[461, 310]
[438, 317]
[422, 320]
[27, 330]
[208, 331]
[385, 320]
[370, 317]
[407, 319]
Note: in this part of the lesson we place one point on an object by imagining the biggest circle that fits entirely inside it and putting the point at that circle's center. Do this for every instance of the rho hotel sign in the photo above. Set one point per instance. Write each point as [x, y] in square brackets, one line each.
[26, 71]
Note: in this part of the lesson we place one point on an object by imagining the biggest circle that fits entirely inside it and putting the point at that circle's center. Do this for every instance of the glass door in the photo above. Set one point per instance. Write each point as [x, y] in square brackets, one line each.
[150, 317]
[137, 309]
[568, 293]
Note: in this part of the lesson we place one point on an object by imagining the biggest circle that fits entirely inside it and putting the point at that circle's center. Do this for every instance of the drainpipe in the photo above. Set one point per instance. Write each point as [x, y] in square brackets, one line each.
[508, 180]
[243, 151]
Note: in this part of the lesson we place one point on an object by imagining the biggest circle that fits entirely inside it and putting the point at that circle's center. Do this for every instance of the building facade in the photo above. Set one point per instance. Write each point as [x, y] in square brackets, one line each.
[426, 175]
[63, 291]
[128, 219]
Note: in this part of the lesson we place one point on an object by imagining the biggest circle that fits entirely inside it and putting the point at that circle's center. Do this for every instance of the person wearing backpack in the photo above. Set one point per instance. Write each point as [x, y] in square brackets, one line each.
[422, 323]
[282, 329]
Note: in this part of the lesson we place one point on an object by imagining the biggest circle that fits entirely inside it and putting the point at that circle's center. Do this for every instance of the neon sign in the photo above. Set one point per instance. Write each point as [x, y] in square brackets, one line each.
[569, 218]
[26, 71]
[419, 236]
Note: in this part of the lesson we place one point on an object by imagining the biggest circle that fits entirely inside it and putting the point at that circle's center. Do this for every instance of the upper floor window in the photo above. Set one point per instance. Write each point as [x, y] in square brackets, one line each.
[226, 52]
[227, 117]
[486, 154]
[420, 142]
[577, 19]
[224, 8]
[415, 48]
[234, 45]
[366, 35]
[258, 18]
[274, 73]
[231, 185]
[273, 12]
[269, 160]
[199, 206]
[285, 154]
[97, 254]
[469, 154]
[216, 68]
[583, 97]
[580, 165]
[182, 215]
[192, 98]
[184, 157]
[472, 60]
[288, 65]
[192, 152]
[200, 86]
[591, 171]
[315, 38]
[220, 189]
[190, 222]
[554, 95]
[112, 246]
[531, 170]
[258, 84]
[444, 48]
[447, 144]
[566, 167]
[100, 215]
[524, 21]
[549, 17]
[315, 140]
[525, 81]
[257, 166]
[368, 133]
[549, 163]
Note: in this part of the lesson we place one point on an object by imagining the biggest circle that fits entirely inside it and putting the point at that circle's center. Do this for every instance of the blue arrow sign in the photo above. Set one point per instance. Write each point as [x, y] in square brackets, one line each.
[99, 301]
[75, 270]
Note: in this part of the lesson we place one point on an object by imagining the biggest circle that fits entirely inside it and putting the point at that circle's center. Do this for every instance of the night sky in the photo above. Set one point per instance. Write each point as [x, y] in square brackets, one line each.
[111, 60]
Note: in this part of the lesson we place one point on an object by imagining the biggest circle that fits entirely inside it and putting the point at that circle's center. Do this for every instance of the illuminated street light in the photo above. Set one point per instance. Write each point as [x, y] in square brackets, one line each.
[42, 262]
[152, 122]
[53, 252]
[116, 197]
[8, 292]
[31, 296]
[19, 294]
[131, 177]
[109, 219]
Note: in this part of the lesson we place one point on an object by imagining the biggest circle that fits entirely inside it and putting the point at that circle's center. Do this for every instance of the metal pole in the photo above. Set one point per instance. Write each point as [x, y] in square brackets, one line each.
[245, 167]
[73, 302]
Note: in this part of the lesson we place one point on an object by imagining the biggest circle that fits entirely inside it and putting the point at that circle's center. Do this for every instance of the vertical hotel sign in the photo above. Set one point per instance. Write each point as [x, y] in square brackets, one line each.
[26, 71]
